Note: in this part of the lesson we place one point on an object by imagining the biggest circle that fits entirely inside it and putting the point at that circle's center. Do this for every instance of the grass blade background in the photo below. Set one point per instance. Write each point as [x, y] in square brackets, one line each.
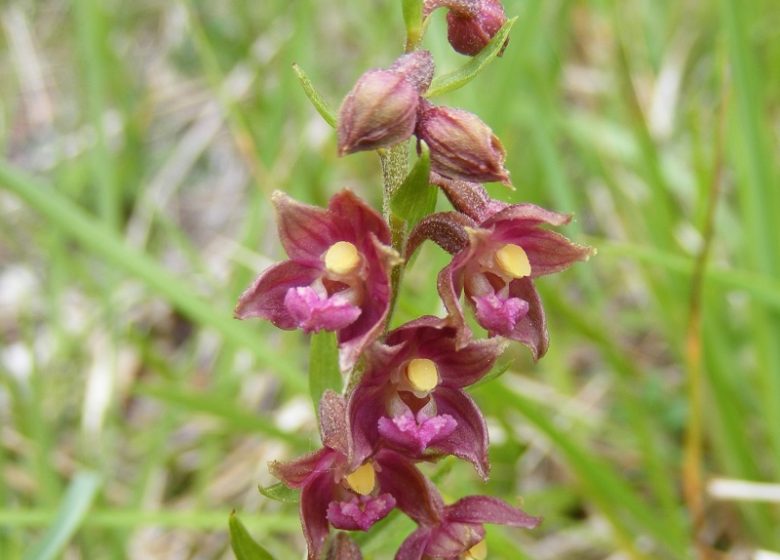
[74, 507]
[607, 110]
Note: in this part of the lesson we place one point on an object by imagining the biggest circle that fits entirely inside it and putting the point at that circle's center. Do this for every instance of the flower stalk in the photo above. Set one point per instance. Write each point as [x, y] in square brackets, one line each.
[406, 400]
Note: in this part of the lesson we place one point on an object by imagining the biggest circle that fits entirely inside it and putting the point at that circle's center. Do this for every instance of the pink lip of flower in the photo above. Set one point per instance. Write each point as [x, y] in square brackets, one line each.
[303, 292]
[328, 500]
[416, 432]
[384, 410]
[460, 527]
[504, 304]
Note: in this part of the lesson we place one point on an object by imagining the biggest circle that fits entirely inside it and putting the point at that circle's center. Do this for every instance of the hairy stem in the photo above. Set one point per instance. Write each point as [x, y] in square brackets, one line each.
[395, 166]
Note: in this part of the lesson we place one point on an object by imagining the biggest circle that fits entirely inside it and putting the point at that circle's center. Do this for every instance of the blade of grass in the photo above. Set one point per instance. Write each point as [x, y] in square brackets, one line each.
[132, 518]
[760, 205]
[314, 96]
[693, 447]
[619, 503]
[763, 289]
[463, 75]
[63, 214]
[735, 453]
[223, 409]
[73, 509]
[88, 31]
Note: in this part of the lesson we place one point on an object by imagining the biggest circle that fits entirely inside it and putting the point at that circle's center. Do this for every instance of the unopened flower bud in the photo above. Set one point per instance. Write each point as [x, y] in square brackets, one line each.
[380, 111]
[462, 146]
[417, 67]
[469, 34]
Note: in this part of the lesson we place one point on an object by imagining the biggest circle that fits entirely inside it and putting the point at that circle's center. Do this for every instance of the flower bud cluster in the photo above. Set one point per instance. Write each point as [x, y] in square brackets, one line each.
[408, 401]
[386, 107]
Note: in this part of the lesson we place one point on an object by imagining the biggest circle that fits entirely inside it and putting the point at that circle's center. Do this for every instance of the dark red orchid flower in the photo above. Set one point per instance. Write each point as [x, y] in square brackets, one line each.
[460, 534]
[338, 275]
[411, 396]
[498, 251]
[346, 486]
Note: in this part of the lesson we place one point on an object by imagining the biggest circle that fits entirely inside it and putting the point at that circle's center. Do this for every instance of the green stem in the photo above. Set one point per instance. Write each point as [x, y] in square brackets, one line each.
[395, 166]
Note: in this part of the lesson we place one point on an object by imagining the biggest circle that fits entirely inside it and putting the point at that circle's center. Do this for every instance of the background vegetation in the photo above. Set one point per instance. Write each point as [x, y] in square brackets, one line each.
[140, 143]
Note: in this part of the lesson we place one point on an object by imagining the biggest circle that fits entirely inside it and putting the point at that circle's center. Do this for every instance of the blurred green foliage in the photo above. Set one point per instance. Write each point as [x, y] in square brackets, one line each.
[141, 142]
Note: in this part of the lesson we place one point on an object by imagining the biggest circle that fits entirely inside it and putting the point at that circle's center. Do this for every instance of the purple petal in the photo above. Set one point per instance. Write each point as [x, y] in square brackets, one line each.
[414, 494]
[305, 231]
[485, 509]
[265, 297]
[354, 220]
[528, 215]
[359, 513]
[298, 472]
[366, 406]
[414, 546]
[314, 313]
[531, 330]
[499, 315]
[451, 539]
[416, 434]
[550, 252]
[449, 285]
[432, 338]
[315, 497]
[469, 441]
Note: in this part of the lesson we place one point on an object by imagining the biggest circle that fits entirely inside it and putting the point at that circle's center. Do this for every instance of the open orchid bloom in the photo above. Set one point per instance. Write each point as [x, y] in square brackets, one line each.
[411, 396]
[345, 486]
[338, 275]
[459, 534]
[495, 261]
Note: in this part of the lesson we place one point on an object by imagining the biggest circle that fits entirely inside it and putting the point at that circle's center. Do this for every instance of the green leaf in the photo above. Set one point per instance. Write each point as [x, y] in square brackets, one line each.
[324, 372]
[244, 547]
[413, 20]
[71, 514]
[316, 99]
[281, 493]
[416, 197]
[463, 75]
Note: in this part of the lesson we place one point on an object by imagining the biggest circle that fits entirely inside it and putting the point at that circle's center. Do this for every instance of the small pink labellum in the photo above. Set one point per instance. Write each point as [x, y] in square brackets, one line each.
[314, 312]
[359, 513]
[499, 315]
[418, 433]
